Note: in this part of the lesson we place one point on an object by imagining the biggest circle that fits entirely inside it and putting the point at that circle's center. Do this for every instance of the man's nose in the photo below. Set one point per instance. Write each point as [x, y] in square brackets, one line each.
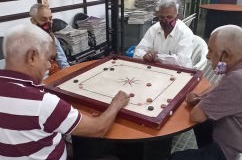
[165, 19]
[49, 20]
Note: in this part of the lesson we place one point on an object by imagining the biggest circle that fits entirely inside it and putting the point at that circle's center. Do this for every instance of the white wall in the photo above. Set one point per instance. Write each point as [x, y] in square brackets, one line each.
[96, 11]
[14, 7]
[8, 8]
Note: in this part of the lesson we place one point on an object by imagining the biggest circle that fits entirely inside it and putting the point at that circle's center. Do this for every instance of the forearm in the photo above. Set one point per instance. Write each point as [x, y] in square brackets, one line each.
[107, 119]
[206, 91]
[98, 126]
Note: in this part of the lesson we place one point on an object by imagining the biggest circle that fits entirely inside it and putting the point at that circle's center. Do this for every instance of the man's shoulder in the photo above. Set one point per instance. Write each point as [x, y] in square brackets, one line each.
[181, 25]
[182, 28]
[155, 26]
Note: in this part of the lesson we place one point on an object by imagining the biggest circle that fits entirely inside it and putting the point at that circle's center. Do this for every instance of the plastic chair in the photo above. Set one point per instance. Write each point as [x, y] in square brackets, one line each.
[130, 51]
[188, 20]
[200, 50]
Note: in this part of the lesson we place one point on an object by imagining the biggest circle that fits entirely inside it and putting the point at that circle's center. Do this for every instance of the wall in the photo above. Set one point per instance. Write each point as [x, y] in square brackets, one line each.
[8, 8]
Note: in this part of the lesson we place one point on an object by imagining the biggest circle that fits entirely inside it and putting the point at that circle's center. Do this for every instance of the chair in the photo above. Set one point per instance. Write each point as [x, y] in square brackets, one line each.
[200, 50]
[188, 20]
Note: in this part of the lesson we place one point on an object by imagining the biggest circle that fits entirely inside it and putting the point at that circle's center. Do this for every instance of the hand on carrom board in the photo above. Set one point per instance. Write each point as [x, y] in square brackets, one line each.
[149, 56]
[120, 100]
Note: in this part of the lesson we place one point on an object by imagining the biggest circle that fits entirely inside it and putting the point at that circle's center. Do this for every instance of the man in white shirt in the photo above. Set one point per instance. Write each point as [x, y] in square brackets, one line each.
[169, 40]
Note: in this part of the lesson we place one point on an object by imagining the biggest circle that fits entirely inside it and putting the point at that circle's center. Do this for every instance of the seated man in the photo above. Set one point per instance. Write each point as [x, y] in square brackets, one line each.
[169, 40]
[222, 103]
[33, 121]
[41, 16]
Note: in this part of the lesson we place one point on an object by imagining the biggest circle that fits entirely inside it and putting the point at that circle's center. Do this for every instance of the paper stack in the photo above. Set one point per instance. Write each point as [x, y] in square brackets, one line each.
[96, 28]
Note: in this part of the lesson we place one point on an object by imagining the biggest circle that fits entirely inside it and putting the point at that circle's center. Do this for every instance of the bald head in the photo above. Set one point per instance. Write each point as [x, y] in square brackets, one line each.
[228, 38]
[27, 49]
[22, 38]
[35, 9]
[225, 45]
[167, 4]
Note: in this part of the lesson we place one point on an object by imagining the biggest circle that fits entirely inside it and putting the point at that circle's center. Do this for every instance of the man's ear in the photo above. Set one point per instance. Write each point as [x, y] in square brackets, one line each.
[33, 21]
[226, 56]
[32, 56]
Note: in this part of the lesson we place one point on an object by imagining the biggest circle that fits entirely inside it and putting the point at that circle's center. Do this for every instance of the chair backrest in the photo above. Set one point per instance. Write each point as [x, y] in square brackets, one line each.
[200, 50]
[188, 20]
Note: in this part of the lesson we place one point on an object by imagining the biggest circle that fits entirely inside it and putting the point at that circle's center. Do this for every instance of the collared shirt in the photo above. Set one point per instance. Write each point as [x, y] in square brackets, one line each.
[176, 49]
[60, 57]
[32, 121]
[224, 105]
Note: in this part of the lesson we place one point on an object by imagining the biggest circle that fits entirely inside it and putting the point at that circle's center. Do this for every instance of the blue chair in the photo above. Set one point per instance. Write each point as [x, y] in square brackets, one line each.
[130, 51]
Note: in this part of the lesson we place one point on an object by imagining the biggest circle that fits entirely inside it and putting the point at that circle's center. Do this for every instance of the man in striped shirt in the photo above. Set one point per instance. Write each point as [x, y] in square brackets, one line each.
[33, 121]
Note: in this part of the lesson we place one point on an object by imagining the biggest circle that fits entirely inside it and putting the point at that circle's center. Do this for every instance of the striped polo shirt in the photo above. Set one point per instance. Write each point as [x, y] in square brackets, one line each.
[32, 121]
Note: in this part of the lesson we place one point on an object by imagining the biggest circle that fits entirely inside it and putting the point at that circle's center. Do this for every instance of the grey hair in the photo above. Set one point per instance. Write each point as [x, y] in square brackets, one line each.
[228, 37]
[166, 4]
[21, 38]
[35, 8]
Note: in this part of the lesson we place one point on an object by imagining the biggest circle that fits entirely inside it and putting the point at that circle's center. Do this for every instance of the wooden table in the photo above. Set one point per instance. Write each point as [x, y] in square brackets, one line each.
[147, 142]
[221, 14]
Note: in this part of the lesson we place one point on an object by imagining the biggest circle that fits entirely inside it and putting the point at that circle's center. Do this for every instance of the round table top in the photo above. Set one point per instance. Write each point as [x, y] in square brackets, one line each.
[125, 130]
[222, 7]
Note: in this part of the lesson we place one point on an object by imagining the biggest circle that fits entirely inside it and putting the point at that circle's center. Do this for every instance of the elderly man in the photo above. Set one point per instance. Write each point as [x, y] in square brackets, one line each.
[169, 40]
[41, 16]
[221, 104]
[33, 121]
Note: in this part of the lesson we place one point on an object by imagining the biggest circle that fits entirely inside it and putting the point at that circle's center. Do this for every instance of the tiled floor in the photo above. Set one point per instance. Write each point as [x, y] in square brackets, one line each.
[184, 141]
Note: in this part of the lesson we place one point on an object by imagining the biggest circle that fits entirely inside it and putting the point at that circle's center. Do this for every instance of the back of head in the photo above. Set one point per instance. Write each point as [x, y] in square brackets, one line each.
[228, 37]
[21, 38]
[166, 4]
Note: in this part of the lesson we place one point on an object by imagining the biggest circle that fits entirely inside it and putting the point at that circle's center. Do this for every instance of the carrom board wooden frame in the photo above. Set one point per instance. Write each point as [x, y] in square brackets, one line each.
[153, 122]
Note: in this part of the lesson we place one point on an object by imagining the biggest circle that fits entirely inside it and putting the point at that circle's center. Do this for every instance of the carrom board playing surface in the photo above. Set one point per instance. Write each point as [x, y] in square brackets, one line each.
[156, 90]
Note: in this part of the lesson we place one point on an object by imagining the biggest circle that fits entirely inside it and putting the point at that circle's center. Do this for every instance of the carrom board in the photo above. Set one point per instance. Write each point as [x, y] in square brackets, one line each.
[156, 89]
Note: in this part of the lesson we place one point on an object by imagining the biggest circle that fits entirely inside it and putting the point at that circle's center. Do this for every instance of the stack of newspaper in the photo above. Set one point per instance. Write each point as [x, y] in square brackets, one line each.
[140, 16]
[148, 4]
[95, 26]
[75, 38]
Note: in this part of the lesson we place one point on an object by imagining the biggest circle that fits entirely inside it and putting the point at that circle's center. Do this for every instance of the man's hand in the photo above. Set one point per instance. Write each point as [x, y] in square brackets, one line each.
[192, 99]
[149, 56]
[120, 100]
